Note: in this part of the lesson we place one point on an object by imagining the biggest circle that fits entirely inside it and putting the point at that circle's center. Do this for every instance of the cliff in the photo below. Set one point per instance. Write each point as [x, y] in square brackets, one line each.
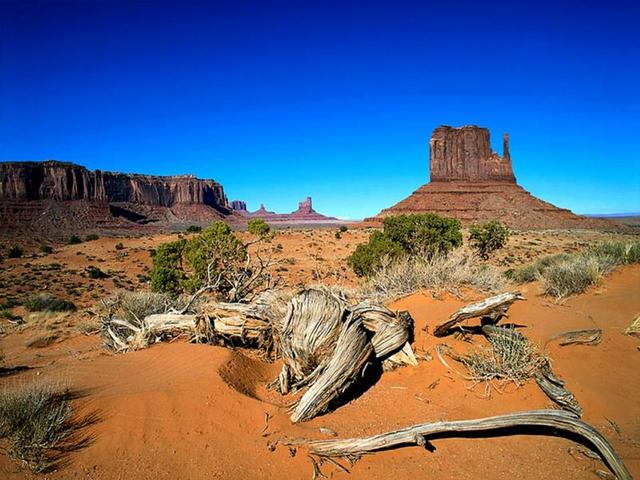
[61, 181]
[305, 214]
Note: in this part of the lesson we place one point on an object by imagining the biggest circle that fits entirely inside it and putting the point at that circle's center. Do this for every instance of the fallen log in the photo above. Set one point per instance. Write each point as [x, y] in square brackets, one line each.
[353, 448]
[491, 309]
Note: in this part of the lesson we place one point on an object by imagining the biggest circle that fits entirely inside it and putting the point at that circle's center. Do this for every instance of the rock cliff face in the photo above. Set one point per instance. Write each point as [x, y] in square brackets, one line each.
[305, 214]
[56, 199]
[465, 154]
[238, 206]
[474, 184]
[52, 180]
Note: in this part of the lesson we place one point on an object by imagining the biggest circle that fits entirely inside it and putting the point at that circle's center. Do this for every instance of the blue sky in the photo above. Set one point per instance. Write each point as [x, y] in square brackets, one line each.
[336, 100]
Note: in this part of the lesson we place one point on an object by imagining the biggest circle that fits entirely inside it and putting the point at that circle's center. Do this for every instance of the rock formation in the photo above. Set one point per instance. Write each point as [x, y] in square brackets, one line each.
[34, 194]
[471, 182]
[238, 206]
[305, 214]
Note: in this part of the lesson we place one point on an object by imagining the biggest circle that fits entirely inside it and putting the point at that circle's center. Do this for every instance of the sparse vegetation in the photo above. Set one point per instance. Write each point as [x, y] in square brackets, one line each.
[440, 272]
[343, 228]
[119, 246]
[258, 227]
[42, 340]
[95, 273]
[74, 240]
[15, 252]
[46, 249]
[91, 237]
[194, 229]
[488, 237]
[36, 422]
[424, 235]
[46, 302]
[568, 274]
[338, 235]
[510, 358]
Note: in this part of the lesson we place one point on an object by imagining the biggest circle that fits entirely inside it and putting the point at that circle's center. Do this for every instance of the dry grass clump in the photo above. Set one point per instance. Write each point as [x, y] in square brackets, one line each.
[510, 358]
[450, 272]
[42, 340]
[634, 328]
[568, 274]
[44, 302]
[36, 422]
[134, 306]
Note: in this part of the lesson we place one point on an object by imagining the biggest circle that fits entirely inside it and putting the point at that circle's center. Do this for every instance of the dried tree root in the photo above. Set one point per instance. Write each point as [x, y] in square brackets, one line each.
[416, 435]
[583, 337]
[493, 308]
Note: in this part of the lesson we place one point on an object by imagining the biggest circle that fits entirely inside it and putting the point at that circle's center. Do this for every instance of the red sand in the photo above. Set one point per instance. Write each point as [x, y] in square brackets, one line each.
[167, 412]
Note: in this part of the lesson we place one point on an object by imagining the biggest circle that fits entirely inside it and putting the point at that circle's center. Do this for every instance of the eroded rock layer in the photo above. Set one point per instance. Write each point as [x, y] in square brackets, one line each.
[471, 182]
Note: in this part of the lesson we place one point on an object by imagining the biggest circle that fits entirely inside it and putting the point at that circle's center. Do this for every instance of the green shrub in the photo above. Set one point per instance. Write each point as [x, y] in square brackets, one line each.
[194, 229]
[15, 252]
[119, 246]
[95, 273]
[368, 257]
[46, 302]
[46, 249]
[421, 234]
[572, 276]
[338, 235]
[343, 228]
[533, 271]
[91, 237]
[166, 273]
[36, 422]
[621, 253]
[74, 240]
[488, 237]
[258, 227]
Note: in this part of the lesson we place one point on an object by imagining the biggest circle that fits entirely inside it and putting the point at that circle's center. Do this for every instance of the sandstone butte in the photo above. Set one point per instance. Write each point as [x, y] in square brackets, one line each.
[471, 182]
[304, 214]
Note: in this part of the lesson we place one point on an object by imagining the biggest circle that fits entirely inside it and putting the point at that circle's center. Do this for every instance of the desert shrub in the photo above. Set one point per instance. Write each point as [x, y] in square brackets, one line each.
[91, 237]
[619, 253]
[572, 276]
[338, 235]
[119, 246]
[46, 302]
[422, 234]
[74, 240]
[368, 257]
[488, 237]
[533, 271]
[258, 227]
[194, 229]
[15, 252]
[134, 306]
[166, 273]
[449, 272]
[46, 249]
[510, 358]
[95, 273]
[35, 421]
[343, 228]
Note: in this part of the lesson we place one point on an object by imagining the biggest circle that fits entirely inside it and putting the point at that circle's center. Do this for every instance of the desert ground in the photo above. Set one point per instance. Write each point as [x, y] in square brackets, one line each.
[181, 410]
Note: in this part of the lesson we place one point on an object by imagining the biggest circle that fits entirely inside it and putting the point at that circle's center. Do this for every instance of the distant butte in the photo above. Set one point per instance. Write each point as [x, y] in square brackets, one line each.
[304, 214]
[471, 182]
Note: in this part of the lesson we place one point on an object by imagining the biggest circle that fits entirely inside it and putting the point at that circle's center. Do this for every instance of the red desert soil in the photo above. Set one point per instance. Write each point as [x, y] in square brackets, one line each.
[170, 411]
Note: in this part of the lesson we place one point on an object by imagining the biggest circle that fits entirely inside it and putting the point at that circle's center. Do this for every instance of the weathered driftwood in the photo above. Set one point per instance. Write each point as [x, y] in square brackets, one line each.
[352, 351]
[634, 328]
[582, 337]
[492, 309]
[353, 448]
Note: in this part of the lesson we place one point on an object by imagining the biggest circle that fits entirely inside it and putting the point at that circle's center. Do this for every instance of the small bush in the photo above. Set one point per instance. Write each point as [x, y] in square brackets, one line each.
[533, 271]
[166, 274]
[338, 235]
[511, 358]
[343, 228]
[74, 240]
[135, 306]
[258, 227]
[119, 246]
[572, 276]
[46, 249]
[368, 257]
[15, 252]
[488, 237]
[36, 422]
[194, 229]
[619, 253]
[45, 302]
[91, 237]
[95, 273]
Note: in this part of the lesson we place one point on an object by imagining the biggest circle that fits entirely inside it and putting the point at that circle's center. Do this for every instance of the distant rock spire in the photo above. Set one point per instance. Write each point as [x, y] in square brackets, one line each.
[505, 147]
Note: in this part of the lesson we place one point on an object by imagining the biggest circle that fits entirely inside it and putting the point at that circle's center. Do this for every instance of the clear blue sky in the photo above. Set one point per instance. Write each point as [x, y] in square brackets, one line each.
[337, 100]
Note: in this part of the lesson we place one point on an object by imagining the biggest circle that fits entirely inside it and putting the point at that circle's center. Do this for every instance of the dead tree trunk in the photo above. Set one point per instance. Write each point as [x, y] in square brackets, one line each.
[353, 448]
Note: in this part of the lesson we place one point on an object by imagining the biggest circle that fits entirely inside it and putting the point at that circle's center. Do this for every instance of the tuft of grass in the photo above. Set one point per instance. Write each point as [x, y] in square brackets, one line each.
[43, 340]
[46, 249]
[634, 328]
[36, 422]
[15, 252]
[510, 358]
[74, 240]
[448, 272]
[533, 271]
[44, 302]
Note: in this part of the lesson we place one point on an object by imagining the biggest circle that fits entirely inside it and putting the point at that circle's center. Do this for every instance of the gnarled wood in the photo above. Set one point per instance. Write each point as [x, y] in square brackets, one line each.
[417, 434]
[580, 337]
[493, 308]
